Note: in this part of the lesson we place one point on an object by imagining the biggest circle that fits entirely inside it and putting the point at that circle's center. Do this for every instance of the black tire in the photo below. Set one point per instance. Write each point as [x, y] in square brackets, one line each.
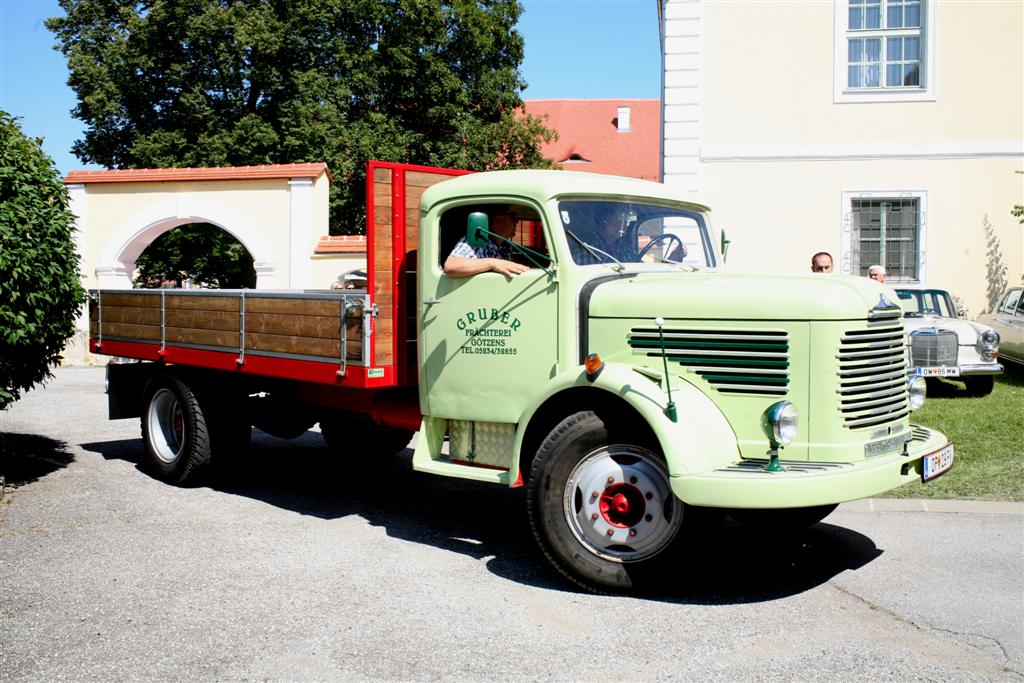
[602, 511]
[979, 386]
[356, 437]
[783, 519]
[174, 431]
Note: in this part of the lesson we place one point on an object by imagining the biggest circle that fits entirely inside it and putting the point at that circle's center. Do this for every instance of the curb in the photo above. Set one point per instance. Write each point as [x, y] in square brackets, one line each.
[977, 507]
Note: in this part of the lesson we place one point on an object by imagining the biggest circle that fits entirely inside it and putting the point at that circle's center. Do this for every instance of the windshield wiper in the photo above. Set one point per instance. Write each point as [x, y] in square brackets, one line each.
[685, 266]
[594, 251]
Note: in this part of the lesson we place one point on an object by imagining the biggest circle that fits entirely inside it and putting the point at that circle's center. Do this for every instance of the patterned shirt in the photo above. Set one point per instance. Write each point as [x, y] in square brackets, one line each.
[489, 250]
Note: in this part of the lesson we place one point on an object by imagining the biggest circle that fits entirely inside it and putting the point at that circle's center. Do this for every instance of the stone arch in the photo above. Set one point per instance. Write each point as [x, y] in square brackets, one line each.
[116, 264]
[276, 212]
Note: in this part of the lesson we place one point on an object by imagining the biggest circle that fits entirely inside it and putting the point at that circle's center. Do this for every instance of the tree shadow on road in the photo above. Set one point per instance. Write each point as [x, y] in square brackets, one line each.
[25, 458]
[486, 522]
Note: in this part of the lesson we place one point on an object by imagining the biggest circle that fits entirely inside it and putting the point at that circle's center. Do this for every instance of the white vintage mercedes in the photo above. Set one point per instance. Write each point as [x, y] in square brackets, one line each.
[942, 344]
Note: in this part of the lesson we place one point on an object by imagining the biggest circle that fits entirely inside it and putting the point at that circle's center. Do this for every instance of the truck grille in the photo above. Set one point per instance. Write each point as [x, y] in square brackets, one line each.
[732, 361]
[873, 375]
[933, 348]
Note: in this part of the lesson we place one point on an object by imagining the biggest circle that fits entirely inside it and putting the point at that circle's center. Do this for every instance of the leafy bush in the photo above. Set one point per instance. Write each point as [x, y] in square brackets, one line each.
[40, 292]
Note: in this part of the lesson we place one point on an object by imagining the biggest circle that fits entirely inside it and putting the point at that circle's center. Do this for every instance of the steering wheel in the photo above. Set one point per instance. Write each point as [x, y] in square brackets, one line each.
[661, 238]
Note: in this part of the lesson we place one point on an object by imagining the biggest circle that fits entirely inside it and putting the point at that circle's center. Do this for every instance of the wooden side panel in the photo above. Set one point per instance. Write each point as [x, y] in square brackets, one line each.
[191, 335]
[324, 307]
[383, 273]
[310, 327]
[142, 332]
[131, 314]
[202, 303]
[279, 343]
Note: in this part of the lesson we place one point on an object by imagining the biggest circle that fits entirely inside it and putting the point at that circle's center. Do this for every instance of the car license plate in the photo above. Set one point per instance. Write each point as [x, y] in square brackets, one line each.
[885, 445]
[936, 463]
[939, 372]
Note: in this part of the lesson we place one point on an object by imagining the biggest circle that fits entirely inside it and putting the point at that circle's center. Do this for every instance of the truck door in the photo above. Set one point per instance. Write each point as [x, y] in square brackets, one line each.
[487, 342]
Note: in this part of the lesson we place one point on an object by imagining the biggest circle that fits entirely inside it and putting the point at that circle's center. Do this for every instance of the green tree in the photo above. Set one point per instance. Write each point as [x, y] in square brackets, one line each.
[167, 83]
[40, 292]
[202, 253]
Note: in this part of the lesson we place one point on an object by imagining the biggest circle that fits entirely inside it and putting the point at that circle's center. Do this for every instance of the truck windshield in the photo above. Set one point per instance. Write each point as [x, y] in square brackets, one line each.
[632, 232]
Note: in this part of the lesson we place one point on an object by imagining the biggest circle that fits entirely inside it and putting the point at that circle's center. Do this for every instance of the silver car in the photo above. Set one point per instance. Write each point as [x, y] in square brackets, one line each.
[942, 344]
[1008, 321]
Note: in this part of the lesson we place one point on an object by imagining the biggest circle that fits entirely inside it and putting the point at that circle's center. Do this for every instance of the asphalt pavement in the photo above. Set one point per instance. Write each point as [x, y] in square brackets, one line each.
[294, 563]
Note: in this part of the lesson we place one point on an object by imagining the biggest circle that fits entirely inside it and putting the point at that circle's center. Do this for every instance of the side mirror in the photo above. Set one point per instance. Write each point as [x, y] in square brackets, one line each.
[725, 246]
[477, 229]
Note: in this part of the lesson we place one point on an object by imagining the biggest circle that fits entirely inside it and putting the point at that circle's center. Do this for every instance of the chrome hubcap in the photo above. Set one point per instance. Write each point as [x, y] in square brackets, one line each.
[166, 425]
[619, 505]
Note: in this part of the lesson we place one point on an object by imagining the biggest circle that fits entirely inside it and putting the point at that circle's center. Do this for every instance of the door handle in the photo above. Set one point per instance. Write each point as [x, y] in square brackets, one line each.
[431, 302]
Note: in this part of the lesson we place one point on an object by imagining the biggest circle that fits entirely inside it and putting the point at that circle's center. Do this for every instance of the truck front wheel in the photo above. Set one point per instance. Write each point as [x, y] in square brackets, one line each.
[602, 511]
[174, 430]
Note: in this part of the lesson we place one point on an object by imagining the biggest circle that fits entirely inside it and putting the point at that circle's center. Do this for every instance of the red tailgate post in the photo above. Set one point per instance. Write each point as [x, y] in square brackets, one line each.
[393, 194]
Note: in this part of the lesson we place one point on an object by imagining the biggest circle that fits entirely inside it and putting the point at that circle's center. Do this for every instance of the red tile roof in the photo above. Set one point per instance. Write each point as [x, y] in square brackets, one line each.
[588, 129]
[156, 175]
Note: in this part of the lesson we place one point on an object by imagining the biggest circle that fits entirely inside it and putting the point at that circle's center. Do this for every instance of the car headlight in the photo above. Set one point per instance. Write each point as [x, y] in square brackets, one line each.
[917, 389]
[990, 339]
[779, 423]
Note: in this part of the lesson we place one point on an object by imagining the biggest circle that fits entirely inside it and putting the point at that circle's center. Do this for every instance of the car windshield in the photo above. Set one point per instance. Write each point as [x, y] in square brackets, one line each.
[921, 302]
[635, 232]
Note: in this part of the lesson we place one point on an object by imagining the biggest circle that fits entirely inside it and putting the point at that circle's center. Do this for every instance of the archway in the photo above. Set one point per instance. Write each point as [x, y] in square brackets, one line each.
[198, 254]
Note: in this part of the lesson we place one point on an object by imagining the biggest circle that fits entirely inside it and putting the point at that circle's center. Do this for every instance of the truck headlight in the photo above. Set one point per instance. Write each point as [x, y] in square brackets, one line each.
[917, 389]
[990, 339]
[779, 423]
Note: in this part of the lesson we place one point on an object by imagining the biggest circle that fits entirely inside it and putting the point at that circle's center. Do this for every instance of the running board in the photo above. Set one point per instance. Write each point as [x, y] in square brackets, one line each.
[427, 457]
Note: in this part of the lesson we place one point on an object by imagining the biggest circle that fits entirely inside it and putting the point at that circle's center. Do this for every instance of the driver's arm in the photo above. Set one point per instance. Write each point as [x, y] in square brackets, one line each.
[464, 266]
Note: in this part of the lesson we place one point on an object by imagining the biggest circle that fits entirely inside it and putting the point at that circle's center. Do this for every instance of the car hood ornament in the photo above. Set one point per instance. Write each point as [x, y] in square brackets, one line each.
[884, 308]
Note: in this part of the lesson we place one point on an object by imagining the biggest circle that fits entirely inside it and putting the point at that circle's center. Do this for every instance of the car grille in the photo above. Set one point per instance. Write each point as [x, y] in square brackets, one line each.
[873, 375]
[732, 361]
[933, 348]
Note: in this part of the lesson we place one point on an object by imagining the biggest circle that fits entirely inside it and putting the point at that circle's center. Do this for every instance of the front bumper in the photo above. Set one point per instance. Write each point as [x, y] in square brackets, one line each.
[745, 484]
[981, 369]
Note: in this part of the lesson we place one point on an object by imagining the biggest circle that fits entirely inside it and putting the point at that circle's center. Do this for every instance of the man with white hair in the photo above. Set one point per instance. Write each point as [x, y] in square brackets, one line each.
[877, 273]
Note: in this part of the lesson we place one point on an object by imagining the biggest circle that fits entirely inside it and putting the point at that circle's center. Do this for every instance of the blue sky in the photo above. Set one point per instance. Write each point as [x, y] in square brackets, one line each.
[574, 49]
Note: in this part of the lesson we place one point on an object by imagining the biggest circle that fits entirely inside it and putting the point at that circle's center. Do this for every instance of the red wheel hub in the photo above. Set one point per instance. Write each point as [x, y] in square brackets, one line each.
[622, 505]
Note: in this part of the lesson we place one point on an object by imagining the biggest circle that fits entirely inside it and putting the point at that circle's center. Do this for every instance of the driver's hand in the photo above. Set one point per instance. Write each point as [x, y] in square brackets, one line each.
[508, 268]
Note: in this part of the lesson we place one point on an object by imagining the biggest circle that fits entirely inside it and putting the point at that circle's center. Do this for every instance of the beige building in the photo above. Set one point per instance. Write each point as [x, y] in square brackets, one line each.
[882, 131]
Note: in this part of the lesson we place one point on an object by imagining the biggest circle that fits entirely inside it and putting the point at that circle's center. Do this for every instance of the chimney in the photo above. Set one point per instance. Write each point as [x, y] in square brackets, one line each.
[623, 119]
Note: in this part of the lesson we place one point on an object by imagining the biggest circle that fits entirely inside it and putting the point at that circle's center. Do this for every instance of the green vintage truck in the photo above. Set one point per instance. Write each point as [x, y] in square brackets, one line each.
[624, 380]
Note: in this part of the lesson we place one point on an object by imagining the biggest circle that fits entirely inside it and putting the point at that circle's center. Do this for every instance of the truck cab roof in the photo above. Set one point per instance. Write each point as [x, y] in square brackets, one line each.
[542, 186]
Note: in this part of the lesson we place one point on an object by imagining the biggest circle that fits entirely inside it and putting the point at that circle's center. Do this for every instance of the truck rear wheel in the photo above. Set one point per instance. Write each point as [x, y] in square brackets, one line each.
[602, 511]
[174, 429]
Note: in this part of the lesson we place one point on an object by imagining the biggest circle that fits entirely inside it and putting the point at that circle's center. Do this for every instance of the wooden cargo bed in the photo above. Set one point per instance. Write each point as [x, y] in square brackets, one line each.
[290, 334]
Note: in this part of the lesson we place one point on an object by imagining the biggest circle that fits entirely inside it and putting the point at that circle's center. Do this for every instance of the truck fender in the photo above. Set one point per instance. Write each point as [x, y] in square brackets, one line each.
[701, 440]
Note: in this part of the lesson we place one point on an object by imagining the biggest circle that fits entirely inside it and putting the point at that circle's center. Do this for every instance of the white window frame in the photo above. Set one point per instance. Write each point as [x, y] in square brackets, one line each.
[846, 261]
[925, 92]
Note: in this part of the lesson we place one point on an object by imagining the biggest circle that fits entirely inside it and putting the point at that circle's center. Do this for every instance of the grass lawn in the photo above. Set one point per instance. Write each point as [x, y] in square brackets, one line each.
[989, 437]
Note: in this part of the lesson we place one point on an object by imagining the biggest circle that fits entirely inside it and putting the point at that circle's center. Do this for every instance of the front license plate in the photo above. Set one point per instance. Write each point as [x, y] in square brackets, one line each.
[885, 445]
[939, 372]
[936, 463]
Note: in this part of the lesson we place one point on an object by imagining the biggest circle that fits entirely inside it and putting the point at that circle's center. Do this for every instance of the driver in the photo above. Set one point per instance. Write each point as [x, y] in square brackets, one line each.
[608, 234]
